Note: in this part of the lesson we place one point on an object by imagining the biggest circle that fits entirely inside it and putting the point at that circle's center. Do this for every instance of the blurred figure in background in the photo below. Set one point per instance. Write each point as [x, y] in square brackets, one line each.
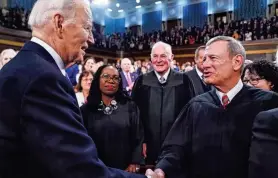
[261, 74]
[128, 77]
[83, 87]
[5, 56]
[196, 75]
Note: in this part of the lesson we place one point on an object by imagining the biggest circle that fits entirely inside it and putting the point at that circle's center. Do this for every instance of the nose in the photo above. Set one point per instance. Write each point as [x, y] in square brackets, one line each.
[91, 39]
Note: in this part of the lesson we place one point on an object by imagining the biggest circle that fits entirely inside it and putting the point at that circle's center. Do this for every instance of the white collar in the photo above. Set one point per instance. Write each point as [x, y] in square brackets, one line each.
[232, 93]
[165, 76]
[52, 52]
[200, 74]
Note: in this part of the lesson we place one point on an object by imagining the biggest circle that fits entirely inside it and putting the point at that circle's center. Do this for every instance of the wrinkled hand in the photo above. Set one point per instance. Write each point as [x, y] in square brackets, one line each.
[158, 173]
[144, 150]
[133, 168]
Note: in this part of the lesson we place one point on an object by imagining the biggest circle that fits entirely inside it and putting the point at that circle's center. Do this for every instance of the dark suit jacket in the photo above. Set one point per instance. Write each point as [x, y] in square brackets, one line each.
[72, 71]
[41, 128]
[263, 160]
[124, 80]
[198, 84]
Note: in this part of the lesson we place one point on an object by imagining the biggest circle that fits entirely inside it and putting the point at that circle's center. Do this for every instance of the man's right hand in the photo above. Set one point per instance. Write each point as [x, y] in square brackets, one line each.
[158, 173]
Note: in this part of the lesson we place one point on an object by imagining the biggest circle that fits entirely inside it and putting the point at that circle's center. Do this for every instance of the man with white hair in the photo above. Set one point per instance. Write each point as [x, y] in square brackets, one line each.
[128, 77]
[211, 137]
[160, 96]
[41, 128]
[5, 56]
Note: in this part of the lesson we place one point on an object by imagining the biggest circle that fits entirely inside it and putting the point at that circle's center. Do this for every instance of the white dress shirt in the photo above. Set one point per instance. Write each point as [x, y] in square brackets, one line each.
[232, 93]
[52, 52]
[165, 76]
[200, 74]
[80, 98]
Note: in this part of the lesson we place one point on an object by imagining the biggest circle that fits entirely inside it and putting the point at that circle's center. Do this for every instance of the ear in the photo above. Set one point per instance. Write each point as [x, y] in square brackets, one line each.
[58, 25]
[172, 57]
[237, 62]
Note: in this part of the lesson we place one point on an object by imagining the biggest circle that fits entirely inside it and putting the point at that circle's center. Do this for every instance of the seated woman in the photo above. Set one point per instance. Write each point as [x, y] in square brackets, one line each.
[83, 87]
[261, 74]
[112, 120]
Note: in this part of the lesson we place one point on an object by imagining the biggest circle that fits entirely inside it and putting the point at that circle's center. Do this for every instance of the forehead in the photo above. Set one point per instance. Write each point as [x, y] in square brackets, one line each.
[110, 70]
[217, 48]
[159, 50]
[126, 61]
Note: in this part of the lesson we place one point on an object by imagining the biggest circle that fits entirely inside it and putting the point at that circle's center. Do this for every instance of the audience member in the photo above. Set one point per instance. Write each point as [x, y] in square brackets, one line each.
[83, 87]
[6, 55]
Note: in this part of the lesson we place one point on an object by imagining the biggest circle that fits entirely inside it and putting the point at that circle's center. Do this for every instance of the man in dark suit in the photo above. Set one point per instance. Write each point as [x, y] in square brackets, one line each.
[263, 152]
[41, 128]
[196, 75]
[128, 78]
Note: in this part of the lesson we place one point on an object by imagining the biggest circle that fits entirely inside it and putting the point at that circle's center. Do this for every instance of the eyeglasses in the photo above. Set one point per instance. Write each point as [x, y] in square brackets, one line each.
[87, 79]
[252, 81]
[108, 77]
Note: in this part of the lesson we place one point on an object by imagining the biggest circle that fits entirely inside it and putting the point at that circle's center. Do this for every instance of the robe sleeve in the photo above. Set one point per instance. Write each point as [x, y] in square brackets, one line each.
[177, 145]
[263, 152]
[137, 98]
[137, 134]
[190, 88]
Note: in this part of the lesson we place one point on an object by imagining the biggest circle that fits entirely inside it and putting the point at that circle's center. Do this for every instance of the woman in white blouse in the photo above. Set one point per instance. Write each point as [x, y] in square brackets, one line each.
[83, 87]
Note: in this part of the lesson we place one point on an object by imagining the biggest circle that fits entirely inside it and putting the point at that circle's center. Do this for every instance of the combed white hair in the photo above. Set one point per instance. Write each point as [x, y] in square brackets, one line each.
[167, 48]
[44, 9]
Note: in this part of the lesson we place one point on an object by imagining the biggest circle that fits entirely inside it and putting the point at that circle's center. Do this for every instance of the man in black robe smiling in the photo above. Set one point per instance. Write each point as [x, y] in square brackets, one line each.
[211, 136]
[160, 96]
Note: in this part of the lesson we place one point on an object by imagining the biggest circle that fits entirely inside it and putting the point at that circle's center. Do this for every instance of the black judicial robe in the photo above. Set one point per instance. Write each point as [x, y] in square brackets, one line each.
[118, 137]
[199, 86]
[159, 106]
[208, 141]
[263, 157]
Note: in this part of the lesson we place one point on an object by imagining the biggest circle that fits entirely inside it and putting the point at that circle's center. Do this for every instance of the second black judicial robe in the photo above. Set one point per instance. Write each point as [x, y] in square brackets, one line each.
[199, 86]
[159, 106]
[118, 137]
[208, 141]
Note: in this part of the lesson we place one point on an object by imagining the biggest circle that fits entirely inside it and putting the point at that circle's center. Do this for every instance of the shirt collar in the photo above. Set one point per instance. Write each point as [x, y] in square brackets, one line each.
[52, 52]
[232, 93]
[165, 76]
[200, 74]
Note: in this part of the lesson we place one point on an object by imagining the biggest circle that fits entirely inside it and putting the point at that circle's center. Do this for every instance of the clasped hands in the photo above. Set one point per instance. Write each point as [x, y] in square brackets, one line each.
[157, 173]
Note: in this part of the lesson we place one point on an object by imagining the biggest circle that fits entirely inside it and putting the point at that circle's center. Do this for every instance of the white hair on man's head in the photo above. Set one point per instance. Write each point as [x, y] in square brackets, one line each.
[44, 9]
[167, 48]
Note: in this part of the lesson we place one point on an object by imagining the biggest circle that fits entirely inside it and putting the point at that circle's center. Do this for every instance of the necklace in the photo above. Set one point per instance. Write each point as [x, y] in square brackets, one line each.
[108, 109]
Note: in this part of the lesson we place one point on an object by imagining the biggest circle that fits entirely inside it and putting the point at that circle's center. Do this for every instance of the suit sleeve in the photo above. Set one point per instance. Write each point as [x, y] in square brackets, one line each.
[177, 145]
[53, 132]
[263, 152]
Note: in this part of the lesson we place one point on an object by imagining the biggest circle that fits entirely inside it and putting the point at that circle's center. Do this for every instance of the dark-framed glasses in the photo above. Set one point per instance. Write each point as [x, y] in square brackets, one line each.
[107, 77]
[252, 81]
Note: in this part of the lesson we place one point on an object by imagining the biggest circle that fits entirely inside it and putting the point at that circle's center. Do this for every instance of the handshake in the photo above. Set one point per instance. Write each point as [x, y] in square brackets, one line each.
[158, 173]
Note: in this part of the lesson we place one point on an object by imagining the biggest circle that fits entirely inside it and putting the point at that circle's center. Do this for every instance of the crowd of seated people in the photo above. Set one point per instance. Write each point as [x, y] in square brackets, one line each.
[243, 30]
[15, 18]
